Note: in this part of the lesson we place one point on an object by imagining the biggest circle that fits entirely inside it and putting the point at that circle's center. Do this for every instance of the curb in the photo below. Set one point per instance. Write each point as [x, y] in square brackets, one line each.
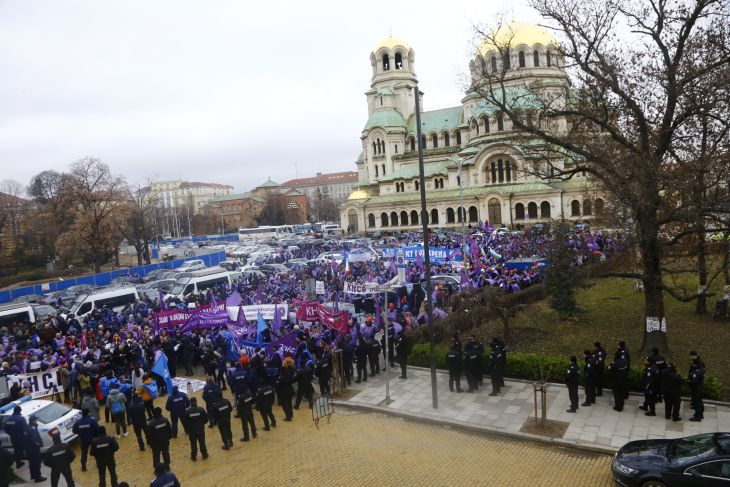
[480, 429]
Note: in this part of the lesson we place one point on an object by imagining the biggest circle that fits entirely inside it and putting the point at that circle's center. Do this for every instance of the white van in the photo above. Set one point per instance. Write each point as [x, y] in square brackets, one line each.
[332, 229]
[191, 265]
[16, 312]
[199, 281]
[115, 298]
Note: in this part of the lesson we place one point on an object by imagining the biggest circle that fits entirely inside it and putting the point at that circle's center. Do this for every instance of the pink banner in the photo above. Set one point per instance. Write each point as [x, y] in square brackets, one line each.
[314, 311]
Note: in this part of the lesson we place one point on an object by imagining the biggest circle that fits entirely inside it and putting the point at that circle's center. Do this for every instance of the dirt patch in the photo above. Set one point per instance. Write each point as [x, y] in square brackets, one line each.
[551, 428]
[346, 394]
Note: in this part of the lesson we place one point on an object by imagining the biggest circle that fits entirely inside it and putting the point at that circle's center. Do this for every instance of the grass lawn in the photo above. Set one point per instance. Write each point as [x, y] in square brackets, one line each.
[611, 310]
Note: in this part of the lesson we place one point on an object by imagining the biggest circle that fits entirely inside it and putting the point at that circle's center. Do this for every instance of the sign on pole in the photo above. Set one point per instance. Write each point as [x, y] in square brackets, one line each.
[400, 262]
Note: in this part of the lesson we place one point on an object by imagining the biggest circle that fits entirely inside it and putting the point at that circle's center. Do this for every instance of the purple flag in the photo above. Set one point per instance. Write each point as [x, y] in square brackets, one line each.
[241, 318]
[234, 299]
[163, 304]
[419, 262]
[276, 325]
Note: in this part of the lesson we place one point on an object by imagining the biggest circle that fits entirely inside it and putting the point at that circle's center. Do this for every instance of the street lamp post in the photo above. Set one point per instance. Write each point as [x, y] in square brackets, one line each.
[427, 258]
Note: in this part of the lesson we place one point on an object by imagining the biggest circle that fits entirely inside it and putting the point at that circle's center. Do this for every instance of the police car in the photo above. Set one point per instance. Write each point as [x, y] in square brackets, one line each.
[53, 418]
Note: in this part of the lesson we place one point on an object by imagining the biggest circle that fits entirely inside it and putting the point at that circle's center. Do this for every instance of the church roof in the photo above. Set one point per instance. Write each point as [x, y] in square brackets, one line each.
[269, 184]
[514, 96]
[388, 117]
[515, 34]
[390, 43]
[240, 196]
[438, 120]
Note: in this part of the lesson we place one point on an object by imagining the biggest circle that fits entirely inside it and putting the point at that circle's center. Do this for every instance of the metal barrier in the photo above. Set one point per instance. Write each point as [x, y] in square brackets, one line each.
[323, 408]
[104, 278]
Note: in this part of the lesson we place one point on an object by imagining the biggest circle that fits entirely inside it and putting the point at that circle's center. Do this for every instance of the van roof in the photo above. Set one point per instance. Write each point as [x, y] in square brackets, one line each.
[208, 271]
[14, 306]
[112, 290]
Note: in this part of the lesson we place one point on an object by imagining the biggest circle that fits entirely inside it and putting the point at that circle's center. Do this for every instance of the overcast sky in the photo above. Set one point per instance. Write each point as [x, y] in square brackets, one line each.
[217, 91]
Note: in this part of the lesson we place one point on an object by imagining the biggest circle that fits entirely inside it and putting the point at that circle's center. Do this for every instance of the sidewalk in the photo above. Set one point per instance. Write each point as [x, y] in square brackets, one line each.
[597, 427]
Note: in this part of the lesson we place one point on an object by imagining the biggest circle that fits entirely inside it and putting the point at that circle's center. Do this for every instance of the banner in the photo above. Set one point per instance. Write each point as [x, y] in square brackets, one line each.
[314, 311]
[359, 257]
[174, 317]
[319, 287]
[288, 345]
[41, 383]
[206, 319]
[266, 310]
[437, 255]
[366, 288]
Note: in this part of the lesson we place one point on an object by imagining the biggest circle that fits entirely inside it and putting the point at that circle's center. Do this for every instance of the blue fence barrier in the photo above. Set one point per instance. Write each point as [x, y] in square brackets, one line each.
[105, 278]
[233, 237]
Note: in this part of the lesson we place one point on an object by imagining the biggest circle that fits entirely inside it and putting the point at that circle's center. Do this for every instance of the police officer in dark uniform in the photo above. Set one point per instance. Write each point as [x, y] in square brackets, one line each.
[696, 381]
[374, 356]
[239, 379]
[572, 376]
[661, 365]
[222, 410]
[285, 387]
[348, 358]
[472, 357]
[159, 432]
[138, 418]
[177, 403]
[59, 458]
[402, 348]
[196, 419]
[17, 428]
[211, 393]
[361, 354]
[623, 352]
[265, 402]
[103, 448]
[671, 386]
[86, 429]
[599, 357]
[589, 377]
[619, 372]
[244, 407]
[651, 377]
[497, 366]
[304, 383]
[453, 361]
[391, 345]
[164, 478]
[33, 444]
[324, 371]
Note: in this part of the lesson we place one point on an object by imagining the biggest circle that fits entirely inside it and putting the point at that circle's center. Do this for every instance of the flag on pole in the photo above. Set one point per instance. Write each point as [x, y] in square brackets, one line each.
[276, 326]
[241, 318]
[163, 304]
[160, 368]
[260, 328]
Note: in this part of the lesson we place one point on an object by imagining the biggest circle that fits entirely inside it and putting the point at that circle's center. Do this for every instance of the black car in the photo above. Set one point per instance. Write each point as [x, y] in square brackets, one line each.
[699, 460]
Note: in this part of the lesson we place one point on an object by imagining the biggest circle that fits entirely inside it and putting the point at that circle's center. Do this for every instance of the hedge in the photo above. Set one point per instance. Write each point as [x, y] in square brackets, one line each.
[528, 365]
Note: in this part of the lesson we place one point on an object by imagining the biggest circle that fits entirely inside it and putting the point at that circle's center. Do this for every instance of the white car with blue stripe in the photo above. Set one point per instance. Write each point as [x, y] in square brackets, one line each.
[53, 417]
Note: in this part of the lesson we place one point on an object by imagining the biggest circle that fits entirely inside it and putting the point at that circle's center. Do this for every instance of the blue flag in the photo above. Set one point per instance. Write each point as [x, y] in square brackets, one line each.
[160, 368]
[260, 328]
[232, 352]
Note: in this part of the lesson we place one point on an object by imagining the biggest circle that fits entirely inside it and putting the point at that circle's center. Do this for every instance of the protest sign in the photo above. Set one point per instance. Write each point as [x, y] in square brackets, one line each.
[42, 384]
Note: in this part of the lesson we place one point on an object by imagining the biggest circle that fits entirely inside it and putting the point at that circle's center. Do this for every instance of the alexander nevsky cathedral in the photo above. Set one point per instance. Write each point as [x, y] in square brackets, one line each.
[470, 151]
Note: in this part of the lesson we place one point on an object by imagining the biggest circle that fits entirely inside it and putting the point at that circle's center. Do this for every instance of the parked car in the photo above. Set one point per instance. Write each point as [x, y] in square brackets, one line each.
[43, 310]
[453, 284]
[28, 298]
[191, 265]
[79, 288]
[53, 418]
[540, 228]
[581, 227]
[125, 280]
[157, 274]
[699, 460]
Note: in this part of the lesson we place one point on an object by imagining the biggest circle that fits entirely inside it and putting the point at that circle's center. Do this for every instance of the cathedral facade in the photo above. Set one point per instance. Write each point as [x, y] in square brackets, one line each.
[471, 157]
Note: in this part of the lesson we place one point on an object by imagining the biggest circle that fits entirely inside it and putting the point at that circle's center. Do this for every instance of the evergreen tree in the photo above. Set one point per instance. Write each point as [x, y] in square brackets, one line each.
[561, 277]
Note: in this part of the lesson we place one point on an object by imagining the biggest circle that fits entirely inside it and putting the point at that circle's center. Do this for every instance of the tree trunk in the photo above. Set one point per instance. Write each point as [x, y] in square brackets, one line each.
[701, 307]
[655, 331]
[147, 254]
[726, 260]
[139, 249]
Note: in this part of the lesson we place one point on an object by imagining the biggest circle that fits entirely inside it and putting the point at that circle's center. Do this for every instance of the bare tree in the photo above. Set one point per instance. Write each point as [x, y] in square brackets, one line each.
[136, 220]
[12, 207]
[49, 191]
[632, 67]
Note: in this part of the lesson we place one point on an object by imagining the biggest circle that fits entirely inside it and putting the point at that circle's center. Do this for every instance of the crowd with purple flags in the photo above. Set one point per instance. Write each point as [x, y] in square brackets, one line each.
[267, 335]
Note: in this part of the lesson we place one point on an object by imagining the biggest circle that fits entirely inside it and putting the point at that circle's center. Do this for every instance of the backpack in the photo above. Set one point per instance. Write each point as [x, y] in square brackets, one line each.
[152, 389]
[117, 408]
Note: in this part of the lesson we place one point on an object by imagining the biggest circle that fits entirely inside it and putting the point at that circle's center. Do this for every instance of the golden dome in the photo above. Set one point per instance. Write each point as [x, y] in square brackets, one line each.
[358, 195]
[515, 34]
[392, 42]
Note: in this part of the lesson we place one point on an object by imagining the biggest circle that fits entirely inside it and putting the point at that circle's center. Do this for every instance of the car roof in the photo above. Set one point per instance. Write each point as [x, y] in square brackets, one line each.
[31, 406]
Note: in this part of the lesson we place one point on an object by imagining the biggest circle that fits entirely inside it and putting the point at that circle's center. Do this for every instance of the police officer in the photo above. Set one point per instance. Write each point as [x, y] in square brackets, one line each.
[324, 370]
[453, 360]
[285, 388]
[244, 407]
[59, 458]
[623, 352]
[177, 403]
[17, 428]
[138, 418]
[497, 366]
[651, 377]
[599, 358]
[619, 372]
[211, 393]
[164, 478]
[589, 377]
[671, 385]
[503, 357]
[196, 418]
[402, 348]
[572, 376]
[348, 357]
[159, 432]
[472, 357]
[33, 444]
[361, 355]
[103, 448]
[391, 345]
[374, 356]
[265, 401]
[86, 429]
[696, 381]
[304, 383]
[661, 365]
[222, 410]
[239, 378]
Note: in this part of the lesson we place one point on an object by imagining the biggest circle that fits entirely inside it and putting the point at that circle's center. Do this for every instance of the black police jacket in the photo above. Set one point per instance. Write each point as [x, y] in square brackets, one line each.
[197, 418]
[104, 447]
[159, 431]
[58, 456]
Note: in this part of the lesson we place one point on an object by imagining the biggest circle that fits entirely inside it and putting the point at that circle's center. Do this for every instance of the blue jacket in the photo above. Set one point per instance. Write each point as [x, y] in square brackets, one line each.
[167, 479]
[240, 380]
[177, 403]
[86, 429]
[107, 384]
[16, 427]
[33, 442]
[210, 393]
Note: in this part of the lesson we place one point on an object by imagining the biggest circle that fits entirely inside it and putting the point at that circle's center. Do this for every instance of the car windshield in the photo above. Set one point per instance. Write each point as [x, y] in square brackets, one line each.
[177, 289]
[51, 413]
[77, 302]
[684, 450]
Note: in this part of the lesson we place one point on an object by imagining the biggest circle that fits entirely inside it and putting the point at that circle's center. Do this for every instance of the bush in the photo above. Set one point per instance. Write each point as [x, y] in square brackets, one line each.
[528, 365]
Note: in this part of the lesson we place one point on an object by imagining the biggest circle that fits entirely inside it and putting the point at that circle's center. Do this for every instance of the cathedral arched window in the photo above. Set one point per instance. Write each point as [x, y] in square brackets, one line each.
[458, 137]
[500, 122]
[508, 170]
[587, 207]
[522, 59]
[519, 211]
[507, 62]
[493, 172]
[413, 143]
[535, 59]
[500, 170]
[494, 64]
[376, 170]
[414, 217]
[575, 208]
[417, 184]
[485, 121]
[386, 62]
[446, 139]
[544, 209]
[435, 141]
[383, 167]
[383, 219]
[532, 210]
[434, 216]
[423, 142]
[599, 206]
[371, 220]
[375, 151]
[398, 61]
[548, 58]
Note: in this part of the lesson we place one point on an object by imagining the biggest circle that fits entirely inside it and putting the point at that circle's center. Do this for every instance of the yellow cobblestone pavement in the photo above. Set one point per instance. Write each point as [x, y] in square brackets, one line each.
[363, 449]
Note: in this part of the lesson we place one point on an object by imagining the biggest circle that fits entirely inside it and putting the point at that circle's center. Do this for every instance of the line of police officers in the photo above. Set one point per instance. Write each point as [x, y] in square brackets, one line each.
[469, 357]
[661, 381]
